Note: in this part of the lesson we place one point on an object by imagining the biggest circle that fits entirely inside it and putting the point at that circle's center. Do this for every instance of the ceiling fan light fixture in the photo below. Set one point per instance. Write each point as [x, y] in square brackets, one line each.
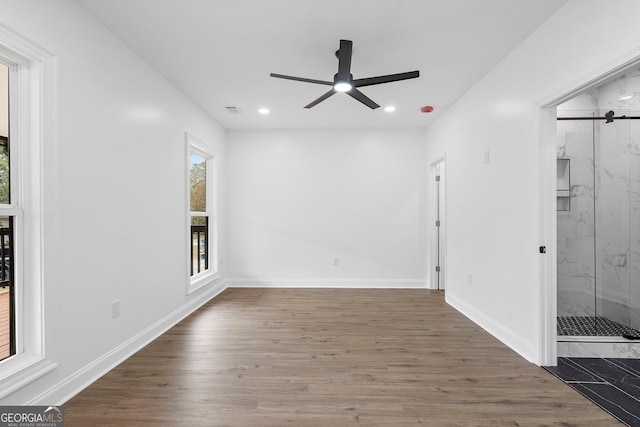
[389, 108]
[342, 87]
[344, 82]
[263, 111]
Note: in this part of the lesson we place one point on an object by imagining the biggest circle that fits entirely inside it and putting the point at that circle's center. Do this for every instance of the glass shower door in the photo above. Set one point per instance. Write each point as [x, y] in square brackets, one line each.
[575, 226]
[617, 224]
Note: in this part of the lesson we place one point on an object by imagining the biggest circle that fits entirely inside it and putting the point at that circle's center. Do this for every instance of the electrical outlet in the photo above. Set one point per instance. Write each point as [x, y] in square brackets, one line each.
[469, 279]
[336, 261]
[115, 309]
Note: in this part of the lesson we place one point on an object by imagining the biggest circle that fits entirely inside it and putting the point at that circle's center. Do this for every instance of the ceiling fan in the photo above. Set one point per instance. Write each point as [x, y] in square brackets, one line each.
[343, 81]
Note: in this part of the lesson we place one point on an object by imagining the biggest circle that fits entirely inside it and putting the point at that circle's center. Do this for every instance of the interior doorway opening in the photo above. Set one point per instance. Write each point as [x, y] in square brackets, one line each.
[559, 204]
[437, 226]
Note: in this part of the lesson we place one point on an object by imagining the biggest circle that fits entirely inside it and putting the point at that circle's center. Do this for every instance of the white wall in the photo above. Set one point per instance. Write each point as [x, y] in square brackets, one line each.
[493, 215]
[114, 185]
[298, 199]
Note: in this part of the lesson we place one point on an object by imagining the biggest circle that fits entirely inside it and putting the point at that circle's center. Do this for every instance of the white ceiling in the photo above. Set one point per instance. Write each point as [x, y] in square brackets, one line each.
[220, 52]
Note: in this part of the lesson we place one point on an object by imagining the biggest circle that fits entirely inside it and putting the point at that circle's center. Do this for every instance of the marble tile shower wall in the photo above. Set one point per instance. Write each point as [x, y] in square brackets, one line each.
[617, 216]
[576, 275]
[601, 276]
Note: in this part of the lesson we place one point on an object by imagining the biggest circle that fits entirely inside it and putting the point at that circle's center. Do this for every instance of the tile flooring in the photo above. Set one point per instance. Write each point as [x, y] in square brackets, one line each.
[612, 384]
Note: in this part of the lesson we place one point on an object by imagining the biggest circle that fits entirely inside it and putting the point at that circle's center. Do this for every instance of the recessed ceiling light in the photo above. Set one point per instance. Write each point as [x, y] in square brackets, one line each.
[625, 97]
[342, 87]
[389, 108]
[263, 111]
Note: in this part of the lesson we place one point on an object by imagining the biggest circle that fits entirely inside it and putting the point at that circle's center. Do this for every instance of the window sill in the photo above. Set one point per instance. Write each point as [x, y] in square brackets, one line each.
[201, 280]
[21, 370]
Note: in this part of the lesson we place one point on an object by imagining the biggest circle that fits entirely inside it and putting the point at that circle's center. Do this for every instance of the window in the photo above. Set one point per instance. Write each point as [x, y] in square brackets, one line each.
[202, 193]
[26, 103]
[7, 293]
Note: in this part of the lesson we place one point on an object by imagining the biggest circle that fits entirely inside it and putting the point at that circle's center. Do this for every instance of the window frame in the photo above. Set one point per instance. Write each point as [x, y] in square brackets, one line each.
[31, 98]
[196, 146]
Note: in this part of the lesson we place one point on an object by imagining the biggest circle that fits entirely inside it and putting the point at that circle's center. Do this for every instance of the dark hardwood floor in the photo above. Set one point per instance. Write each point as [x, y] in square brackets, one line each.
[328, 357]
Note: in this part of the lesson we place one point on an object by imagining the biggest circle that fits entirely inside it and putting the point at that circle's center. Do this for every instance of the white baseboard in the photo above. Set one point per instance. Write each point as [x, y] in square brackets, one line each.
[326, 283]
[84, 377]
[518, 344]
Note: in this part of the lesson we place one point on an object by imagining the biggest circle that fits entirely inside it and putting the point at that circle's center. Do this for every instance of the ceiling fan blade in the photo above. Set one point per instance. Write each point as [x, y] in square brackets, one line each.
[301, 79]
[344, 60]
[356, 94]
[386, 79]
[319, 100]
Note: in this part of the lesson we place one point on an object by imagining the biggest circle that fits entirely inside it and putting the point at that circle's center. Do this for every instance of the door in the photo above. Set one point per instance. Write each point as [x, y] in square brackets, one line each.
[437, 223]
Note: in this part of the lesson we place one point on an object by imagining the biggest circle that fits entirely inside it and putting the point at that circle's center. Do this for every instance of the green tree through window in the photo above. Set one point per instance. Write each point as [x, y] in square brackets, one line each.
[4, 176]
[198, 175]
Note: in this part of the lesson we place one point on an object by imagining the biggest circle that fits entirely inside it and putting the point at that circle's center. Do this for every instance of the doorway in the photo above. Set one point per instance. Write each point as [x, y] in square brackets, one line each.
[561, 287]
[437, 225]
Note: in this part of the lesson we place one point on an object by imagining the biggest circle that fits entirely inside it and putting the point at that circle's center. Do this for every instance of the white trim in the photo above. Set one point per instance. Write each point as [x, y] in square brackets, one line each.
[19, 48]
[16, 95]
[196, 146]
[20, 378]
[34, 104]
[547, 235]
[73, 384]
[201, 280]
[326, 283]
[518, 344]
[595, 78]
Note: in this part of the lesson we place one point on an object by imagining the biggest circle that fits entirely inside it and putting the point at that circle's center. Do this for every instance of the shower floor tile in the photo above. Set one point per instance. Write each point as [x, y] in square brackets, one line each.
[592, 326]
[612, 384]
